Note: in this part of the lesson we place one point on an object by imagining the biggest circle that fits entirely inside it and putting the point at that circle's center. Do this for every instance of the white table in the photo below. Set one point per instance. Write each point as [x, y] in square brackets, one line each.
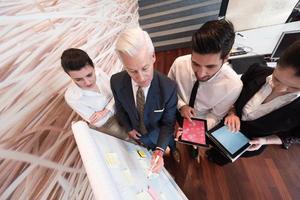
[262, 41]
[116, 171]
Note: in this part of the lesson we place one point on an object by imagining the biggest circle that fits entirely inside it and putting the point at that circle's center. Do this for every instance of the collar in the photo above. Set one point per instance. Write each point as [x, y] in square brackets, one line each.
[135, 85]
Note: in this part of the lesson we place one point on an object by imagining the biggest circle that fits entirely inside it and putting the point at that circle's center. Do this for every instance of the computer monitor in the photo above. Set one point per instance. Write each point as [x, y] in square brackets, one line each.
[285, 40]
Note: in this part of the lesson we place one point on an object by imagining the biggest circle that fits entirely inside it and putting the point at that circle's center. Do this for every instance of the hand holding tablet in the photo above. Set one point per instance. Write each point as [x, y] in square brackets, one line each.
[230, 144]
[233, 145]
[194, 132]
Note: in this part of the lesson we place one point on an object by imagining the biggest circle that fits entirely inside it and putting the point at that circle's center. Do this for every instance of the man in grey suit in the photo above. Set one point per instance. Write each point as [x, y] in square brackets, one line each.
[145, 99]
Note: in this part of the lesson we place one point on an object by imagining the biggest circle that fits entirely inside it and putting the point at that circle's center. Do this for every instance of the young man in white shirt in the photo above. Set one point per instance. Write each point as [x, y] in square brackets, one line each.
[90, 95]
[216, 86]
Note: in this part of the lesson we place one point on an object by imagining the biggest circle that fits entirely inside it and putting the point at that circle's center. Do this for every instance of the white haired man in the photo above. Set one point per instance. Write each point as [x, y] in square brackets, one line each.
[145, 99]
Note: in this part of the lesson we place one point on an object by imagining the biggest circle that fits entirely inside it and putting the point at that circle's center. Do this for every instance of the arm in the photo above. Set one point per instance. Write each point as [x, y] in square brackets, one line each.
[96, 118]
[290, 137]
[256, 70]
[181, 103]
[184, 110]
[172, 76]
[111, 105]
[284, 138]
[121, 114]
[232, 121]
[167, 122]
[105, 88]
[221, 109]
[84, 111]
[256, 143]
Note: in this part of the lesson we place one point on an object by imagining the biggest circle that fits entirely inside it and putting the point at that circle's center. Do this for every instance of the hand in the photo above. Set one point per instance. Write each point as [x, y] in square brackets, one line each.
[233, 122]
[156, 167]
[98, 115]
[256, 143]
[134, 134]
[178, 133]
[187, 112]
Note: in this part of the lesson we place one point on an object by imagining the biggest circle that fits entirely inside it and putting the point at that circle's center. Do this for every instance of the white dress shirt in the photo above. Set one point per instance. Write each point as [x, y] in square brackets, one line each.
[86, 102]
[214, 97]
[135, 87]
[255, 108]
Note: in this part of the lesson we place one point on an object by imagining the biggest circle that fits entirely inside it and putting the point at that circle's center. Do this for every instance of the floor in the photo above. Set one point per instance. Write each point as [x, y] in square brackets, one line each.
[275, 174]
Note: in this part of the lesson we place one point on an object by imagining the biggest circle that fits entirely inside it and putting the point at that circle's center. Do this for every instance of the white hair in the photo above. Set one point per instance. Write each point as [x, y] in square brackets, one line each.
[132, 40]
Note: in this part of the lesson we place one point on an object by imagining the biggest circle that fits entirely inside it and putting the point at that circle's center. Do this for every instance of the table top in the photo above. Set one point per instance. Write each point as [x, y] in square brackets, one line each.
[262, 41]
[116, 170]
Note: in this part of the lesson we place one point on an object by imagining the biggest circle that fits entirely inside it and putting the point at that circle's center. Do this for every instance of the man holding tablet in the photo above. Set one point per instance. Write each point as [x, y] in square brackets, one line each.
[207, 85]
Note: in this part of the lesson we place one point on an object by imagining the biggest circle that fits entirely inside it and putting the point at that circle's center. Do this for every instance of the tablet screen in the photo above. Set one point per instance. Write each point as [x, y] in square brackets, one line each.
[194, 131]
[233, 142]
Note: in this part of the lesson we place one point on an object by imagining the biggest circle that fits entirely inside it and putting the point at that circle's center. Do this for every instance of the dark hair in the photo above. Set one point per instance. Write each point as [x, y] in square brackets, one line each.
[75, 59]
[215, 36]
[291, 57]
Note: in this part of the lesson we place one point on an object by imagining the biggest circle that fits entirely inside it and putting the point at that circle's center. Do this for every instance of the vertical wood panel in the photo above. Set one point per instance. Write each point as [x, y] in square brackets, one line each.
[165, 59]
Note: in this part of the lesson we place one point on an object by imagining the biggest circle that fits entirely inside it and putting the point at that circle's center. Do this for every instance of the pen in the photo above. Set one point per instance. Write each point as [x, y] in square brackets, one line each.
[240, 34]
[155, 162]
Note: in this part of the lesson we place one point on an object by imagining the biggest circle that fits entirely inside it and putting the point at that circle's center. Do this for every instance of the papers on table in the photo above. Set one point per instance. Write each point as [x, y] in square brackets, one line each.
[117, 171]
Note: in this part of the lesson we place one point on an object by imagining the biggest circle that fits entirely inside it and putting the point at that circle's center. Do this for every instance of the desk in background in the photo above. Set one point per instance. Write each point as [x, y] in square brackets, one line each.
[262, 41]
[259, 42]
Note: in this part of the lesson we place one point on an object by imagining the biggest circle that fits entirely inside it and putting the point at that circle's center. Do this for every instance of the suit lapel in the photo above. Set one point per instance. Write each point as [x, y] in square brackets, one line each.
[248, 92]
[259, 79]
[153, 96]
[127, 94]
[253, 88]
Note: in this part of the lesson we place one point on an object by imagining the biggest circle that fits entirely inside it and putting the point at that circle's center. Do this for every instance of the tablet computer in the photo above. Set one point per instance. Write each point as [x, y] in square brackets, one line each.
[194, 132]
[231, 144]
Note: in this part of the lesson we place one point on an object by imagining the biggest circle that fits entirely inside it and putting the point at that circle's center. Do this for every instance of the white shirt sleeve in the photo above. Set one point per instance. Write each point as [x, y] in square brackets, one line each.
[221, 109]
[172, 75]
[105, 88]
[84, 111]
